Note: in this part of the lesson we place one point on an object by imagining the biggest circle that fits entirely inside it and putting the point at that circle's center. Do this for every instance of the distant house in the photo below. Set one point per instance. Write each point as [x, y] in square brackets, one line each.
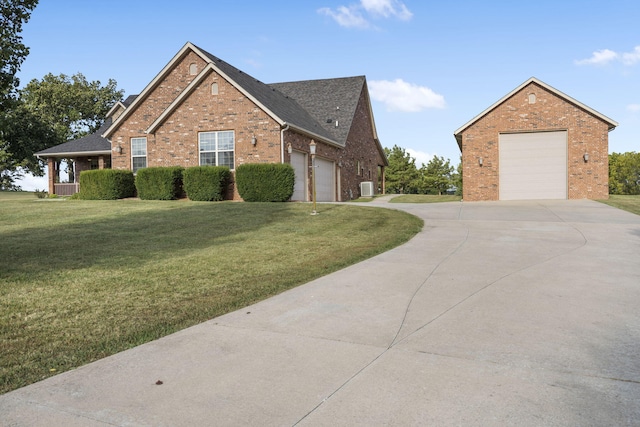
[535, 143]
[200, 110]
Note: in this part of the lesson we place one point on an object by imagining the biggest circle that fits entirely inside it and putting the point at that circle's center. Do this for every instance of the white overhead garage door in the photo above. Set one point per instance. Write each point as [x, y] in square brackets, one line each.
[299, 163]
[325, 184]
[533, 165]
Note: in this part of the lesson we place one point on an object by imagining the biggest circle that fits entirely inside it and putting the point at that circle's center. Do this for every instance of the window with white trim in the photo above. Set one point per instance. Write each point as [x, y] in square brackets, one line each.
[216, 148]
[138, 153]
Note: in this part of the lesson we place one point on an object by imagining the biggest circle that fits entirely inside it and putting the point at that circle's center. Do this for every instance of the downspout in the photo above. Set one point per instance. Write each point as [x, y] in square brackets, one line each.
[282, 131]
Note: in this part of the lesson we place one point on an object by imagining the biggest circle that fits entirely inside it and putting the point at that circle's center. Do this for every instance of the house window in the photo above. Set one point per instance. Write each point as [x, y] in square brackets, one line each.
[216, 148]
[138, 153]
[193, 69]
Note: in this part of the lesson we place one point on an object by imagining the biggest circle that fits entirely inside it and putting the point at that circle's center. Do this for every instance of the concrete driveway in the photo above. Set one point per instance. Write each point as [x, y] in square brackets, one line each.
[502, 313]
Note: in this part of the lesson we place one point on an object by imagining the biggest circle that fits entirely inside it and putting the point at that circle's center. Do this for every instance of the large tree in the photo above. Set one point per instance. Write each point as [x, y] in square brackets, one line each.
[401, 176]
[49, 112]
[13, 14]
[71, 106]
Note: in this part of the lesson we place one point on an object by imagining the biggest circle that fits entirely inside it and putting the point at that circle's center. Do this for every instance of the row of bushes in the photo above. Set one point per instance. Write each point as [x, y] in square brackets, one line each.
[255, 183]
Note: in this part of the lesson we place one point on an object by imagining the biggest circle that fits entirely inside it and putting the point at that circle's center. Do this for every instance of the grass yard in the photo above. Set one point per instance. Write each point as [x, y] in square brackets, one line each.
[80, 280]
[424, 198]
[627, 203]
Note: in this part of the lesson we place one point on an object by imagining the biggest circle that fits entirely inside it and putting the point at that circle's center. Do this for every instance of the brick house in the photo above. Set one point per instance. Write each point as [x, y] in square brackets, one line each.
[535, 143]
[200, 110]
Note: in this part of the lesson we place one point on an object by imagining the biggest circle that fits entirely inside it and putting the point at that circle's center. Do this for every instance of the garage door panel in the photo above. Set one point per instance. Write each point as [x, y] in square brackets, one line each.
[299, 163]
[533, 166]
[325, 185]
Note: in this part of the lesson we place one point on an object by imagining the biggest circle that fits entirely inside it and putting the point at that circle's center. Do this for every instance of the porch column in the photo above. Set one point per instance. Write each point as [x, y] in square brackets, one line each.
[51, 169]
[100, 162]
[384, 189]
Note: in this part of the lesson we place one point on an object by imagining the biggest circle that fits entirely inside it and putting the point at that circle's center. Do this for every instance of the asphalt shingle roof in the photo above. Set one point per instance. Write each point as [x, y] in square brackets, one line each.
[305, 104]
[90, 143]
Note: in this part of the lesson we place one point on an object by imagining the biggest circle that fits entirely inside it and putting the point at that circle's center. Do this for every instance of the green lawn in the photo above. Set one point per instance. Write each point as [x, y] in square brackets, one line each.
[424, 198]
[80, 280]
[627, 203]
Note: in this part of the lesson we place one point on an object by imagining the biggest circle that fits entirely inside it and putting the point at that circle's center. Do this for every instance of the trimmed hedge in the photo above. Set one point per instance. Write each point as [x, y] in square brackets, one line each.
[159, 183]
[206, 183]
[106, 184]
[265, 182]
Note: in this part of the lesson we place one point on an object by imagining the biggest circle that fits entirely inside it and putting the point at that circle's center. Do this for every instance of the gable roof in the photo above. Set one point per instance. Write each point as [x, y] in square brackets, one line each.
[303, 106]
[611, 123]
[89, 145]
[332, 102]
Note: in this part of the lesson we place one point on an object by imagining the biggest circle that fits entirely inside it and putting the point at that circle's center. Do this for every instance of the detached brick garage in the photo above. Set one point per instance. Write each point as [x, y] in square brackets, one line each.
[535, 143]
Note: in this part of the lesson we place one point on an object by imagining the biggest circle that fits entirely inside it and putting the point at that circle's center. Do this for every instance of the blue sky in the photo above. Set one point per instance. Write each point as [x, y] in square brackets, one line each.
[431, 66]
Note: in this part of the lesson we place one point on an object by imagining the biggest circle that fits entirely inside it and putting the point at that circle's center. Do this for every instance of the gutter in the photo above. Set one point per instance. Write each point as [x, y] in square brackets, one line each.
[283, 129]
[73, 154]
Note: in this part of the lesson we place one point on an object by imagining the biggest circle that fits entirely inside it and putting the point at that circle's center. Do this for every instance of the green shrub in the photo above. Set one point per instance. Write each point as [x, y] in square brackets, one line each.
[265, 182]
[41, 194]
[159, 183]
[206, 183]
[106, 184]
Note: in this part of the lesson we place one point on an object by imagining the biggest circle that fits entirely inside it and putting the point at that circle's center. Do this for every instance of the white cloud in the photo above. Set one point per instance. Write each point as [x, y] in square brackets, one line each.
[422, 158]
[356, 15]
[599, 57]
[387, 8]
[633, 107]
[631, 58]
[348, 17]
[605, 56]
[399, 95]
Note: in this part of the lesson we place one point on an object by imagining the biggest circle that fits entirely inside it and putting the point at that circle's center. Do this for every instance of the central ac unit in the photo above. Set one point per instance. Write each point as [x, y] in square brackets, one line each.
[366, 189]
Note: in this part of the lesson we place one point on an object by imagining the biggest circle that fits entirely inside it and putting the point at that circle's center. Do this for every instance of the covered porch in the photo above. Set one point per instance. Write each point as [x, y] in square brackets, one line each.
[58, 167]
[66, 161]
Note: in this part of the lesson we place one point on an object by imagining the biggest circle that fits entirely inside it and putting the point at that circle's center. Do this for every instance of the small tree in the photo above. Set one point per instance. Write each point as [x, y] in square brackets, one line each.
[437, 175]
[401, 176]
[624, 173]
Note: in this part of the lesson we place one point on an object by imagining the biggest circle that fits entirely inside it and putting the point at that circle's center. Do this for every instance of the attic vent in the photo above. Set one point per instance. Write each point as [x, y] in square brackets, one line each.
[214, 88]
[329, 120]
[193, 69]
[532, 98]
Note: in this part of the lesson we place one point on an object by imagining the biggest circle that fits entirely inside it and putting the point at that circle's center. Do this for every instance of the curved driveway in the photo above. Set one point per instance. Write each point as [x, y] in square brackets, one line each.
[499, 313]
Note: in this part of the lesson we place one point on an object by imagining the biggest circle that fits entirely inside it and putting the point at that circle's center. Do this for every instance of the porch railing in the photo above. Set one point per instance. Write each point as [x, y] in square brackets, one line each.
[67, 188]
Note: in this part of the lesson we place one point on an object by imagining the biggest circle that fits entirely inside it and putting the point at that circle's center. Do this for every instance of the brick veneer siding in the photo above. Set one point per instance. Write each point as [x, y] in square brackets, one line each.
[175, 141]
[360, 148]
[585, 134]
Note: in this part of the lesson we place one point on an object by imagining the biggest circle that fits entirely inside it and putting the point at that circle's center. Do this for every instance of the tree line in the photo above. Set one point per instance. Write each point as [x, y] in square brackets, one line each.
[45, 112]
[402, 176]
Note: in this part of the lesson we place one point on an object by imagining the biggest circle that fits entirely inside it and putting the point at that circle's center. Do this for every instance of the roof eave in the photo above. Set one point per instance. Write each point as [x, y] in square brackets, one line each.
[157, 79]
[611, 123]
[73, 154]
[315, 136]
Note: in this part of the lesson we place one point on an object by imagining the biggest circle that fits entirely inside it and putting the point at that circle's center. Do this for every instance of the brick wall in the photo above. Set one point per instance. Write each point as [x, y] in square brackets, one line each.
[360, 150]
[175, 141]
[585, 133]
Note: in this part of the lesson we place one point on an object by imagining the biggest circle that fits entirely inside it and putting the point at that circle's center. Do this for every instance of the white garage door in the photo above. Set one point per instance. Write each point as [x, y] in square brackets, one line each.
[325, 186]
[533, 166]
[299, 163]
